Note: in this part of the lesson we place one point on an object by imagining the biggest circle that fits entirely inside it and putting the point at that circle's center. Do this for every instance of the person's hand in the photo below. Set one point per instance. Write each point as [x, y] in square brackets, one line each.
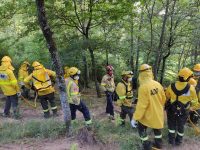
[133, 123]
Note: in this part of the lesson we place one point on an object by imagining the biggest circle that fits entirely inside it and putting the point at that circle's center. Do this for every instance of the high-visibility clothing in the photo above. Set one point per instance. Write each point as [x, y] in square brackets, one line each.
[23, 73]
[125, 92]
[108, 83]
[190, 96]
[73, 95]
[66, 69]
[8, 82]
[151, 101]
[41, 80]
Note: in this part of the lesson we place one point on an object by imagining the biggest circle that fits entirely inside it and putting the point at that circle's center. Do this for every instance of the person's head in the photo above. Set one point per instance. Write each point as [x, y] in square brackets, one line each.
[145, 73]
[196, 70]
[185, 74]
[7, 62]
[26, 65]
[74, 73]
[36, 65]
[127, 76]
[66, 69]
[109, 70]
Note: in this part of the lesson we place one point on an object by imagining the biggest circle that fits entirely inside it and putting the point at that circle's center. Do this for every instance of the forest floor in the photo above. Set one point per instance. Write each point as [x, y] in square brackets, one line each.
[104, 135]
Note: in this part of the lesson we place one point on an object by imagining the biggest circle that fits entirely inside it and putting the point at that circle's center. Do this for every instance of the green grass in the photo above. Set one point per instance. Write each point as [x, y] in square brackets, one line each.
[32, 129]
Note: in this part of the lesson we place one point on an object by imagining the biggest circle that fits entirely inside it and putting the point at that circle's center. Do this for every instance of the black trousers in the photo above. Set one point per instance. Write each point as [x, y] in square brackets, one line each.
[25, 92]
[176, 125]
[144, 137]
[82, 108]
[109, 106]
[125, 110]
[44, 102]
[11, 101]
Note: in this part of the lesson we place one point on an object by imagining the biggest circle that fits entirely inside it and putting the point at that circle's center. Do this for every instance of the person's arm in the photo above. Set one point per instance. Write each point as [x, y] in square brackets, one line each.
[143, 103]
[121, 92]
[194, 103]
[13, 81]
[27, 81]
[74, 93]
[163, 101]
[103, 84]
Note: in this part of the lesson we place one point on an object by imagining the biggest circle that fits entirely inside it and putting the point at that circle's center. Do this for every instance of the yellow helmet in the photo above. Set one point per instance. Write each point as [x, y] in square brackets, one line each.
[192, 82]
[144, 67]
[74, 71]
[26, 62]
[36, 64]
[127, 73]
[66, 68]
[186, 73]
[196, 67]
[6, 59]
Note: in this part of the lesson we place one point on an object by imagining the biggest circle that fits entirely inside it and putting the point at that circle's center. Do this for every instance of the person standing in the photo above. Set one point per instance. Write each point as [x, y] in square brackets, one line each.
[41, 80]
[150, 108]
[181, 99]
[108, 86]
[9, 87]
[74, 97]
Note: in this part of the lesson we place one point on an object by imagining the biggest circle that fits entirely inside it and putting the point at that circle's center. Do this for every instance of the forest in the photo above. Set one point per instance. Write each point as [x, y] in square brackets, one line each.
[91, 34]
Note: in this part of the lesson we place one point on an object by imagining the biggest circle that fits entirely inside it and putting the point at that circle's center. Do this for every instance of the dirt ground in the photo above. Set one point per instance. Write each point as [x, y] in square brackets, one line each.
[97, 111]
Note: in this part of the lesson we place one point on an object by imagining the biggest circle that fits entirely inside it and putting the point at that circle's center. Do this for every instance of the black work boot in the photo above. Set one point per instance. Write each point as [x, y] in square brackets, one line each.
[147, 145]
[55, 114]
[46, 115]
[171, 139]
[178, 140]
[157, 144]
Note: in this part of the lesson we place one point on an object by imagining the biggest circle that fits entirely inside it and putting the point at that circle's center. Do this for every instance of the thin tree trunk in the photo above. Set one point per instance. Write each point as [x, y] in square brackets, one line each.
[86, 74]
[160, 46]
[48, 34]
[138, 45]
[132, 54]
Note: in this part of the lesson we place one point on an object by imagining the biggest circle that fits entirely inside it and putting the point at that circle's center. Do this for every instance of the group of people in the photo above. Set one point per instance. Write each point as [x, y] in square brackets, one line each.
[180, 100]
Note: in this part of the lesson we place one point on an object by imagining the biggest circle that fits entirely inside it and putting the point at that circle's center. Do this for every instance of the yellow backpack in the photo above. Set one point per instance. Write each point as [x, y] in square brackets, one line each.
[41, 80]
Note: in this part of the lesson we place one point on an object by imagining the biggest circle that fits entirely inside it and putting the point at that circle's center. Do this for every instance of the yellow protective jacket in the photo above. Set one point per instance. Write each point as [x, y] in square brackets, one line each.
[41, 80]
[190, 96]
[22, 74]
[66, 75]
[8, 82]
[73, 95]
[125, 92]
[151, 100]
[108, 83]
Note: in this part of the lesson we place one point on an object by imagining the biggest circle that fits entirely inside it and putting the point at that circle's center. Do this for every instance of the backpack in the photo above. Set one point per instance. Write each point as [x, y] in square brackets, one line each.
[177, 107]
[115, 95]
[41, 80]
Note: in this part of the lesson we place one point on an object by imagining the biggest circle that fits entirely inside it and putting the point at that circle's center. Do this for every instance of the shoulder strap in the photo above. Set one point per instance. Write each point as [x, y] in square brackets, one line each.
[125, 85]
[181, 92]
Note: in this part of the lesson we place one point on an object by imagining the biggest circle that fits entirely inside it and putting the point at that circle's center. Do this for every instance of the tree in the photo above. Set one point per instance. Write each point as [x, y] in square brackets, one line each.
[56, 61]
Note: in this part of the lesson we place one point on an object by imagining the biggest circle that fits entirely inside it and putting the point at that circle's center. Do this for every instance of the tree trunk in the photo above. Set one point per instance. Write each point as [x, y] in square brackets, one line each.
[160, 46]
[94, 71]
[86, 74]
[132, 54]
[138, 45]
[56, 61]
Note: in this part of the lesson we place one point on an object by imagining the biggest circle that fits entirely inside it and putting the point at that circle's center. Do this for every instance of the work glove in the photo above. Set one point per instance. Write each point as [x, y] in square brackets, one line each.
[19, 94]
[133, 123]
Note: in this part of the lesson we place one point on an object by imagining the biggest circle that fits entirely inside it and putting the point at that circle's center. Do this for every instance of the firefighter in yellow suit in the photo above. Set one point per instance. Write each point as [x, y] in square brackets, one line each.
[41, 80]
[181, 98]
[22, 74]
[74, 97]
[194, 117]
[124, 91]
[66, 70]
[150, 108]
[9, 86]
